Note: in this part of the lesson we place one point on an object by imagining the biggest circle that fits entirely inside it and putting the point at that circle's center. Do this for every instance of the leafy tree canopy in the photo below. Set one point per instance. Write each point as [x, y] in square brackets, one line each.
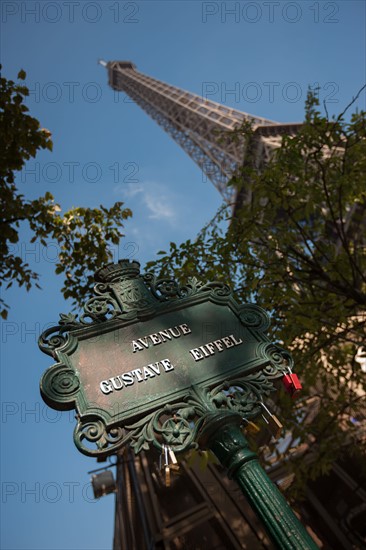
[84, 235]
[297, 246]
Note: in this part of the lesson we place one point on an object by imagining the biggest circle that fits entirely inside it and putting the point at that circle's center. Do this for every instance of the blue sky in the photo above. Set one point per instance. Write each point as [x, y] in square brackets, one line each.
[258, 57]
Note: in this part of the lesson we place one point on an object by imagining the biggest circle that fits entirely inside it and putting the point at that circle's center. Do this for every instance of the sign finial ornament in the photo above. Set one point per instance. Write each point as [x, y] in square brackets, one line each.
[124, 269]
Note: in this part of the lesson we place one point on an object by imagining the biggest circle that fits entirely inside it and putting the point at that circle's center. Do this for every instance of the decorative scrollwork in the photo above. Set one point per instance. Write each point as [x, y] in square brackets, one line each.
[99, 309]
[166, 288]
[168, 426]
[177, 424]
[243, 395]
[60, 384]
[281, 360]
[101, 289]
[64, 382]
[254, 317]
[175, 431]
[194, 286]
[121, 292]
[54, 338]
[162, 289]
[68, 319]
[95, 433]
[220, 289]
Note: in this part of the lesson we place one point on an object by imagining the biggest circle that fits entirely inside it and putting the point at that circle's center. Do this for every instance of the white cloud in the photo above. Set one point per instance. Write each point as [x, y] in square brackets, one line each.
[158, 199]
[129, 190]
[158, 207]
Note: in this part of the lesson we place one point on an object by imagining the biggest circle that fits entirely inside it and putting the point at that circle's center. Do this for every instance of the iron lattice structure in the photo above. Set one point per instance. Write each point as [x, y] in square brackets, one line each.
[200, 126]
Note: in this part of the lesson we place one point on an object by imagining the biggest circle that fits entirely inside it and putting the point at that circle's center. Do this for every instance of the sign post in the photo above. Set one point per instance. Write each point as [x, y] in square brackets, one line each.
[150, 362]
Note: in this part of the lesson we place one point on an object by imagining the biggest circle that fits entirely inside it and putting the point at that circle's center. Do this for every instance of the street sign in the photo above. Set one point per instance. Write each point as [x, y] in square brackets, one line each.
[153, 362]
[142, 350]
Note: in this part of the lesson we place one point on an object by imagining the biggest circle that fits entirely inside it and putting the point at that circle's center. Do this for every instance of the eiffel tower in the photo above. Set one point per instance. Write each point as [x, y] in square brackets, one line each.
[202, 509]
[200, 126]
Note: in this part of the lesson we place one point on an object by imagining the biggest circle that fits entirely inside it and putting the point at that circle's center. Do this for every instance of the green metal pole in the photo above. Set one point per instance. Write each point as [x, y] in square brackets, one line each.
[221, 433]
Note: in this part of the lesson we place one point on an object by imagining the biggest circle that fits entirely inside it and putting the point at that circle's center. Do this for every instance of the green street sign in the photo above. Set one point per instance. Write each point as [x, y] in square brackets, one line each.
[152, 362]
[143, 345]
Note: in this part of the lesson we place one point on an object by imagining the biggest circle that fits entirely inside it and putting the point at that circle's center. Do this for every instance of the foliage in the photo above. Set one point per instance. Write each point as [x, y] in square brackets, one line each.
[82, 234]
[296, 246]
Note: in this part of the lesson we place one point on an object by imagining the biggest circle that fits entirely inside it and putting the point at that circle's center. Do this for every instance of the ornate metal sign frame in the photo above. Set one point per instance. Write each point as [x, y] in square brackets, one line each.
[232, 372]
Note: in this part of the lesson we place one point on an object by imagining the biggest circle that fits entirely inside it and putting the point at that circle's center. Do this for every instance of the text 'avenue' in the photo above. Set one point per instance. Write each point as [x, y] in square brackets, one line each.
[160, 337]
